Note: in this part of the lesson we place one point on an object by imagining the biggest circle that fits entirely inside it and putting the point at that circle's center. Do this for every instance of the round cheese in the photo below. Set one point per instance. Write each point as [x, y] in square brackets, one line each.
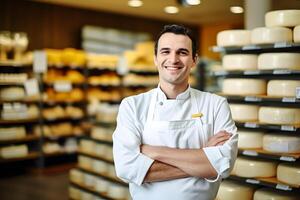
[270, 35]
[87, 146]
[230, 190]
[101, 185]
[281, 143]
[229, 38]
[282, 88]
[289, 173]
[251, 168]
[250, 139]
[288, 18]
[12, 93]
[74, 193]
[244, 113]
[239, 62]
[85, 162]
[76, 176]
[241, 86]
[271, 194]
[279, 61]
[89, 180]
[100, 166]
[279, 115]
[117, 191]
[296, 34]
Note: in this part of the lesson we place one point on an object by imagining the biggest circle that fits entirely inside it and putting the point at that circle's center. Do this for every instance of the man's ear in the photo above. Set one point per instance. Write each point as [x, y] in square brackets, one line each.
[195, 59]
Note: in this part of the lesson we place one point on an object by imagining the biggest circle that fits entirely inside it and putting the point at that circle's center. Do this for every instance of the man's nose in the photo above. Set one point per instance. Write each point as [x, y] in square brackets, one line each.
[173, 57]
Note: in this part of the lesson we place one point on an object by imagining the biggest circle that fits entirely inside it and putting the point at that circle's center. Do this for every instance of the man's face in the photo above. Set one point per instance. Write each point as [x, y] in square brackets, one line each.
[174, 58]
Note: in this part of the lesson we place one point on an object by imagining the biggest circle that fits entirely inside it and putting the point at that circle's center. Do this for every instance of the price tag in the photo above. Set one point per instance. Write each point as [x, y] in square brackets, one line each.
[221, 73]
[252, 181]
[62, 86]
[283, 187]
[250, 153]
[39, 62]
[218, 49]
[282, 71]
[250, 47]
[282, 45]
[288, 99]
[287, 128]
[287, 158]
[298, 92]
[32, 87]
[251, 125]
[256, 72]
[252, 99]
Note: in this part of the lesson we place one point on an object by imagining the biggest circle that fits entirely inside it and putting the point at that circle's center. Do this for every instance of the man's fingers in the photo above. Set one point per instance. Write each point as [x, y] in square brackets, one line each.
[219, 139]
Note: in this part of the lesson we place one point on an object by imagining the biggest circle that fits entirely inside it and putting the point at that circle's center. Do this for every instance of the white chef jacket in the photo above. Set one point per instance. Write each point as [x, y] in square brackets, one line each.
[133, 118]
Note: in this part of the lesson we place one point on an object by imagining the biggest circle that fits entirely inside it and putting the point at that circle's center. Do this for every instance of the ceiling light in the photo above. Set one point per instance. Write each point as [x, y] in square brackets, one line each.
[135, 3]
[193, 2]
[171, 9]
[236, 9]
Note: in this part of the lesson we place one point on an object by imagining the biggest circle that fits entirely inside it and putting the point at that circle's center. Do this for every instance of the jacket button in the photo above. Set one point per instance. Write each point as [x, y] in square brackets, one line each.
[161, 103]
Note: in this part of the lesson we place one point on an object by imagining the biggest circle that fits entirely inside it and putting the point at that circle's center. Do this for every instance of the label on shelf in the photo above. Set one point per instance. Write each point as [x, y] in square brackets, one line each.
[282, 71]
[252, 181]
[251, 125]
[251, 72]
[221, 73]
[250, 153]
[287, 128]
[289, 99]
[39, 61]
[283, 187]
[31, 87]
[287, 158]
[250, 47]
[62, 86]
[282, 45]
[298, 92]
[218, 49]
[252, 99]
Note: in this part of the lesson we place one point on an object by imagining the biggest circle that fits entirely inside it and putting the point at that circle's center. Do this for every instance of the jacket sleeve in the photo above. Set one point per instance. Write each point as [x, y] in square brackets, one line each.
[130, 165]
[223, 157]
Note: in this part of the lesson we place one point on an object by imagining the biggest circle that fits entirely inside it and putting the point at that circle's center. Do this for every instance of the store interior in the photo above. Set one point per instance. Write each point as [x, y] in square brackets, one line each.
[66, 65]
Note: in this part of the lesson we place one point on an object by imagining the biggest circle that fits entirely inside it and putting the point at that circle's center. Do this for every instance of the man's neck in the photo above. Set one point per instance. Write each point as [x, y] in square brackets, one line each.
[172, 91]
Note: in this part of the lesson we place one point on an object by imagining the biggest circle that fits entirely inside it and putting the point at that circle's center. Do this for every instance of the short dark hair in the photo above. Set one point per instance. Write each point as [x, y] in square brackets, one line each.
[179, 30]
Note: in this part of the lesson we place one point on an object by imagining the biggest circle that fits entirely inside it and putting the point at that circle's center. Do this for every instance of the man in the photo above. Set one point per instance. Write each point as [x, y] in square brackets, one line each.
[174, 142]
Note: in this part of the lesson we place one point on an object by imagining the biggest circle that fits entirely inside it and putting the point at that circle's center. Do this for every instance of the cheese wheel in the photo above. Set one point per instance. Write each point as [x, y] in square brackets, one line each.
[117, 191]
[244, 113]
[76, 176]
[271, 194]
[15, 151]
[251, 168]
[279, 115]
[242, 86]
[230, 190]
[279, 61]
[87, 146]
[289, 173]
[100, 166]
[74, 193]
[296, 34]
[85, 162]
[250, 139]
[101, 185]
[281, 143]
[229, 38]
[12, 93]
[239, 62]
[282, 88]
[288, 18]
[270, 35]
[89, 180]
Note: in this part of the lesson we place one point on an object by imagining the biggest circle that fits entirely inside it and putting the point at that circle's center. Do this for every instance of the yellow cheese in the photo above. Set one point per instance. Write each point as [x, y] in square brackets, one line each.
[279, 115]
[239, 62]
[280, 143]
[250, 139]
[233, 38]
[230, 190]
[296, 34]
[268, 61]
[243, 86]
[244, 112]
[269, 35]
[271, 194]
[289, 173]
[287, 18]
[282, 88]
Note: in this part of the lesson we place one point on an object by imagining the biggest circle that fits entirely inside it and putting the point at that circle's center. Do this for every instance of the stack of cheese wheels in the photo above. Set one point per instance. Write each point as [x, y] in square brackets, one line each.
[267, 61]
[250, 139]
[289, 173]
[251, 168]
[282, 88]
[244, 112]
[269, 35]
[271, 194]
[230, 190]
[280, 143]
[242, 86]
[279, 115]
[239, 62]
[286, 18]
[296, 34]
[229, 38]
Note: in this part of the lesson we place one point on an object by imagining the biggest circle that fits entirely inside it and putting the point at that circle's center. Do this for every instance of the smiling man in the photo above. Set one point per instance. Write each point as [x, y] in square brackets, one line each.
[174, 142]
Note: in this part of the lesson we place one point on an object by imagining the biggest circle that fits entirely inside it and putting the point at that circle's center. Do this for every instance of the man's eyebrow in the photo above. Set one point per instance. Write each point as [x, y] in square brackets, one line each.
[164, 48]
[183, 49]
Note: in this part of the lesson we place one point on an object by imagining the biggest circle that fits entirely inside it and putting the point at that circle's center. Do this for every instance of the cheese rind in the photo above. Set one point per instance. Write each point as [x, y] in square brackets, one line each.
[250, 139]
[271, 194]
[231, 190]
[229, 38]
[241, 86]
[289, 173]
[239, 62]
[296, 34]
[282, 88]
[281, 143]
[279, 115]
[279, 61]
[270, 35]
[244, 113]
[287, 18]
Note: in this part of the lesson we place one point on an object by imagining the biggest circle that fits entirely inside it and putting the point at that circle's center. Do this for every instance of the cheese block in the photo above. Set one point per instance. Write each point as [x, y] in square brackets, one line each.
[229, 38]
[100, 166]
[271, 194]
[12, 93]
[270, 35]
[89, 180]
[101, 185]
[76, 176]
[282, 88]
[289, 173]
[250, 139]
[100, 149]
[16, 151]
[239, 62]
[86, 196]
[279, 115]
[281, 143]
[87, 146]
[230, 190]
[288, 18]
[279, 61]
[112, 171]
[244, 113]
[100, 133]
[241, 86]
[85, 162]
[117, 191]
[74, 193]
[12, 133]
[251, 168]
[296, 34]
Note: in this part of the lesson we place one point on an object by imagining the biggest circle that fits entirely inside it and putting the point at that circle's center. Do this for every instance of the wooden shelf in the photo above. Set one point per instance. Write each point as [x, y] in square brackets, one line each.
[18, 121]
[30, 156]
[96, 157]
[262, 99]
[260, 153]
[257, 125]
[27, 138]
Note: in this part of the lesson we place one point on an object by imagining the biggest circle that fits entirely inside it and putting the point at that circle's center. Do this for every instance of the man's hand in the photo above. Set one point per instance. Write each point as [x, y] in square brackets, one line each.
[218, 139]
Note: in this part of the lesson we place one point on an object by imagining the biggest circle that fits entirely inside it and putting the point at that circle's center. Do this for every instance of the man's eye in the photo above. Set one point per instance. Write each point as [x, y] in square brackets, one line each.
[183, 53]
[164, 52]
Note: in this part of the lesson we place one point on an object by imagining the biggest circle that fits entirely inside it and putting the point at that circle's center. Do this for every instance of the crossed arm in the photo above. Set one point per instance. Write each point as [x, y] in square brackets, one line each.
[172, 163]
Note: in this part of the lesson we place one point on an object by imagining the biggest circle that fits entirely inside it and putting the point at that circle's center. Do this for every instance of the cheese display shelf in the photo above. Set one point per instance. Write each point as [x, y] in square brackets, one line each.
[260, 153]
[30, 156]
[258, 73]
[257, 125]
[261, 99]
[28, 138]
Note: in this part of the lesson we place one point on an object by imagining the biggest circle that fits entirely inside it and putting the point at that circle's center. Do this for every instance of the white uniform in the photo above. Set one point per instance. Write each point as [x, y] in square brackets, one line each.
[151, 118]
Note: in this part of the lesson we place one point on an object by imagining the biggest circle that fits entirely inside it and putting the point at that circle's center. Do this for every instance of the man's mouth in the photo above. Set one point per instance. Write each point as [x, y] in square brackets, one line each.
[173, 68]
